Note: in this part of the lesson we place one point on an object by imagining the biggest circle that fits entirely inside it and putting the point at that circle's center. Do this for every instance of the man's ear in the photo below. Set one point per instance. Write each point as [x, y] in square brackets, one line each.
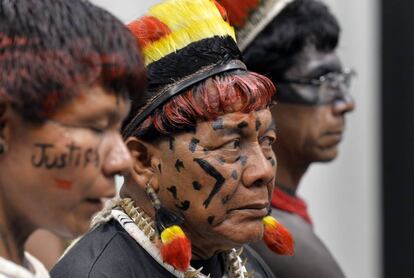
[145, 158]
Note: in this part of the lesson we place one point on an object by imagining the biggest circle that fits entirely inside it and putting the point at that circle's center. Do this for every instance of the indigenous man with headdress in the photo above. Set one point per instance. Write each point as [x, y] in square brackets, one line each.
[294, 42]
[64, 87]
[203, 166]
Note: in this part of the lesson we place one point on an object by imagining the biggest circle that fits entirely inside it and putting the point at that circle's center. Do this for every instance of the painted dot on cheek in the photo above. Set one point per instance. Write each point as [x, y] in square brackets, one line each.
[242, 159]
[184, 205]
[173, 191]
[193, 145]
[63, 184]
[225, 199]
[234, 175]
[171, 141]
[179, 165]
[197, 186]
[221, 160]
[218, 124]
[210, 220]
[242, 125]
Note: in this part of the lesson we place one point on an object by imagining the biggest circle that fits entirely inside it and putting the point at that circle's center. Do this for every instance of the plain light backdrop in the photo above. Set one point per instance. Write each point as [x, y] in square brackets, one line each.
[344, 195]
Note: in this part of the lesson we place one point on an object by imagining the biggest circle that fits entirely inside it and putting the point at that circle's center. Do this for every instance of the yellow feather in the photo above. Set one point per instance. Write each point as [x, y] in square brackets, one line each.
[189, 21]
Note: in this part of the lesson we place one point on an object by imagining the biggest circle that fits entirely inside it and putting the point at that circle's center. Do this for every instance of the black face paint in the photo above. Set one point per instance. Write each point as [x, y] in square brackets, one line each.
[173, 191]
[159, 168]
[258, 124]
[193, 144]
[184, 205]
[272, 161]
[172, 140]
[210, 220]
[225, 199]
[206, 151]
[242, 125]
[197, 186]
[211, 171]
[242, 159]
[179, 165]
[218, 124]
[234, 175]
[221, 160]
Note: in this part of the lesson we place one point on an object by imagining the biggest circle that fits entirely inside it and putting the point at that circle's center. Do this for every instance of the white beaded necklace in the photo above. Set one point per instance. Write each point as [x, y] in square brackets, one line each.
[142, 229]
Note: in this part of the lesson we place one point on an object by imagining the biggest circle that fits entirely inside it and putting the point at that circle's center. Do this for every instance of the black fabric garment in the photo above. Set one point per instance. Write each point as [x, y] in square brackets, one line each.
[311, 260]
[110, 252]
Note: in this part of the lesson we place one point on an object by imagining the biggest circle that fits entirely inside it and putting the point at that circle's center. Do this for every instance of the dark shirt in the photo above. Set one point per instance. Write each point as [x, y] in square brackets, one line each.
[311, 260]
[109, 251]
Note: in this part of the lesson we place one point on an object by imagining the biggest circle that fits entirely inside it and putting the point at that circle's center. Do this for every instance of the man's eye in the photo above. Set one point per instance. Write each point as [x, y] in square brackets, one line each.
[234, 144]
[97, 130]
[267, 141]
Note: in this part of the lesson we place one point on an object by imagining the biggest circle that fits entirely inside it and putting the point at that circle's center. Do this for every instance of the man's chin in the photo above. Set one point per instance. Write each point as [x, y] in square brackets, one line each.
[325, 155]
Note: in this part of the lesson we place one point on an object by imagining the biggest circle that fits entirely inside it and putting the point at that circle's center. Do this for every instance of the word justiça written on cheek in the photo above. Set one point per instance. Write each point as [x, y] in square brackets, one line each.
[74, 156]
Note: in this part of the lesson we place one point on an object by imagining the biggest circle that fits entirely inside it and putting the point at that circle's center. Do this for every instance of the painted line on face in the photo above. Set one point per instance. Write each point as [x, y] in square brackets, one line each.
[193, 144]
[171, 143]
[173, 190]
[197, 186]
[179, 165]
[159, 168]
[242, 125]
[210, 220]
[184, 205]
[218, 124]
[63, 184]
[234, 175]
[211, 171]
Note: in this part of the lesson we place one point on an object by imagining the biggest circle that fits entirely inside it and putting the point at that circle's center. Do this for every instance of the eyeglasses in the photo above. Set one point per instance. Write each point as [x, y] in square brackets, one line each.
[328, 88]
[331, 79]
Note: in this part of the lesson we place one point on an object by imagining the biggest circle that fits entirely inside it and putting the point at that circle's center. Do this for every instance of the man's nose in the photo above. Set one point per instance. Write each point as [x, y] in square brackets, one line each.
[258, 171]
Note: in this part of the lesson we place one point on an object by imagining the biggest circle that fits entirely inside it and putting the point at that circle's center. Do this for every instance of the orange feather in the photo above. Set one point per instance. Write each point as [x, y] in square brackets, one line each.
[277, 237]
[239, 10]
[148, 29]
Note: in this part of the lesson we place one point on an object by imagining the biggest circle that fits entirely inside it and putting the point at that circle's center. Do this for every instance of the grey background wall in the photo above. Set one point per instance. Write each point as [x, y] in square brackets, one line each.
[343, 195]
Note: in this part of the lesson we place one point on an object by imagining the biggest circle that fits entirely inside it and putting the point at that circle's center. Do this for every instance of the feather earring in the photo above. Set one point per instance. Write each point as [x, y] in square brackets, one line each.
[277, 237]
[175, 245]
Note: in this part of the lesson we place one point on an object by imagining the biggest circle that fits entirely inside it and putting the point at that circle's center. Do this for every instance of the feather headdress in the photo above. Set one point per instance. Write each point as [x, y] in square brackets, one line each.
[250, 17]
[183, 43]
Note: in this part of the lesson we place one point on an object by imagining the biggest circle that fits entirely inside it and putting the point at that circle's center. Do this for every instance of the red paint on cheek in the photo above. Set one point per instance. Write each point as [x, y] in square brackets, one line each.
[63, 184]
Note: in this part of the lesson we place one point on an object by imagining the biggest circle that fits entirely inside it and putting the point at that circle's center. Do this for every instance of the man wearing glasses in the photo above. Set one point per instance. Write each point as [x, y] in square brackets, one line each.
[294, 43]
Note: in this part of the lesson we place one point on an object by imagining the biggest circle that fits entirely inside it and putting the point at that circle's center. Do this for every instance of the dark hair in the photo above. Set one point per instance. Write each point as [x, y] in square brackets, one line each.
[301, 22]
[50, 48]
[218, 95]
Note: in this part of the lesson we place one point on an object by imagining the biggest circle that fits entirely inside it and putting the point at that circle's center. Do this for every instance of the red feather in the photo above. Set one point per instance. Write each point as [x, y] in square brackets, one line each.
[177, 253]
[278, 238]
[239, 10]
[148, 29]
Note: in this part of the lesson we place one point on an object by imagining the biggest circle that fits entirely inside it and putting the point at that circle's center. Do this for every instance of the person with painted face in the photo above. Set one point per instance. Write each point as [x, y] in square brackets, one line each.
[294, 43]
[203, 166]
[64, 90]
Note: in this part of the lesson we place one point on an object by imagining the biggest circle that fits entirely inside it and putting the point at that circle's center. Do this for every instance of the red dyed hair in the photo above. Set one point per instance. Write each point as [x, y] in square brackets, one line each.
[218, 95]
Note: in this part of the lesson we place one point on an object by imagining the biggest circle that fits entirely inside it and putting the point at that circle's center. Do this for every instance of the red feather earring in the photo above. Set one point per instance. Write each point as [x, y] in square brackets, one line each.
[277, 237]
[175, 245]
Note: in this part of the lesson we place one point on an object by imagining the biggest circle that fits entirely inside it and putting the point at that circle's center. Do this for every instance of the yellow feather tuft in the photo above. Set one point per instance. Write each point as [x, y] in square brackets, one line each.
[190, 21]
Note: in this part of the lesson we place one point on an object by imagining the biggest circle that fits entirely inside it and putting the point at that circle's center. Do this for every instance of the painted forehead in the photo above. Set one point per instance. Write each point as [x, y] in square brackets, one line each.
[239, 122]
